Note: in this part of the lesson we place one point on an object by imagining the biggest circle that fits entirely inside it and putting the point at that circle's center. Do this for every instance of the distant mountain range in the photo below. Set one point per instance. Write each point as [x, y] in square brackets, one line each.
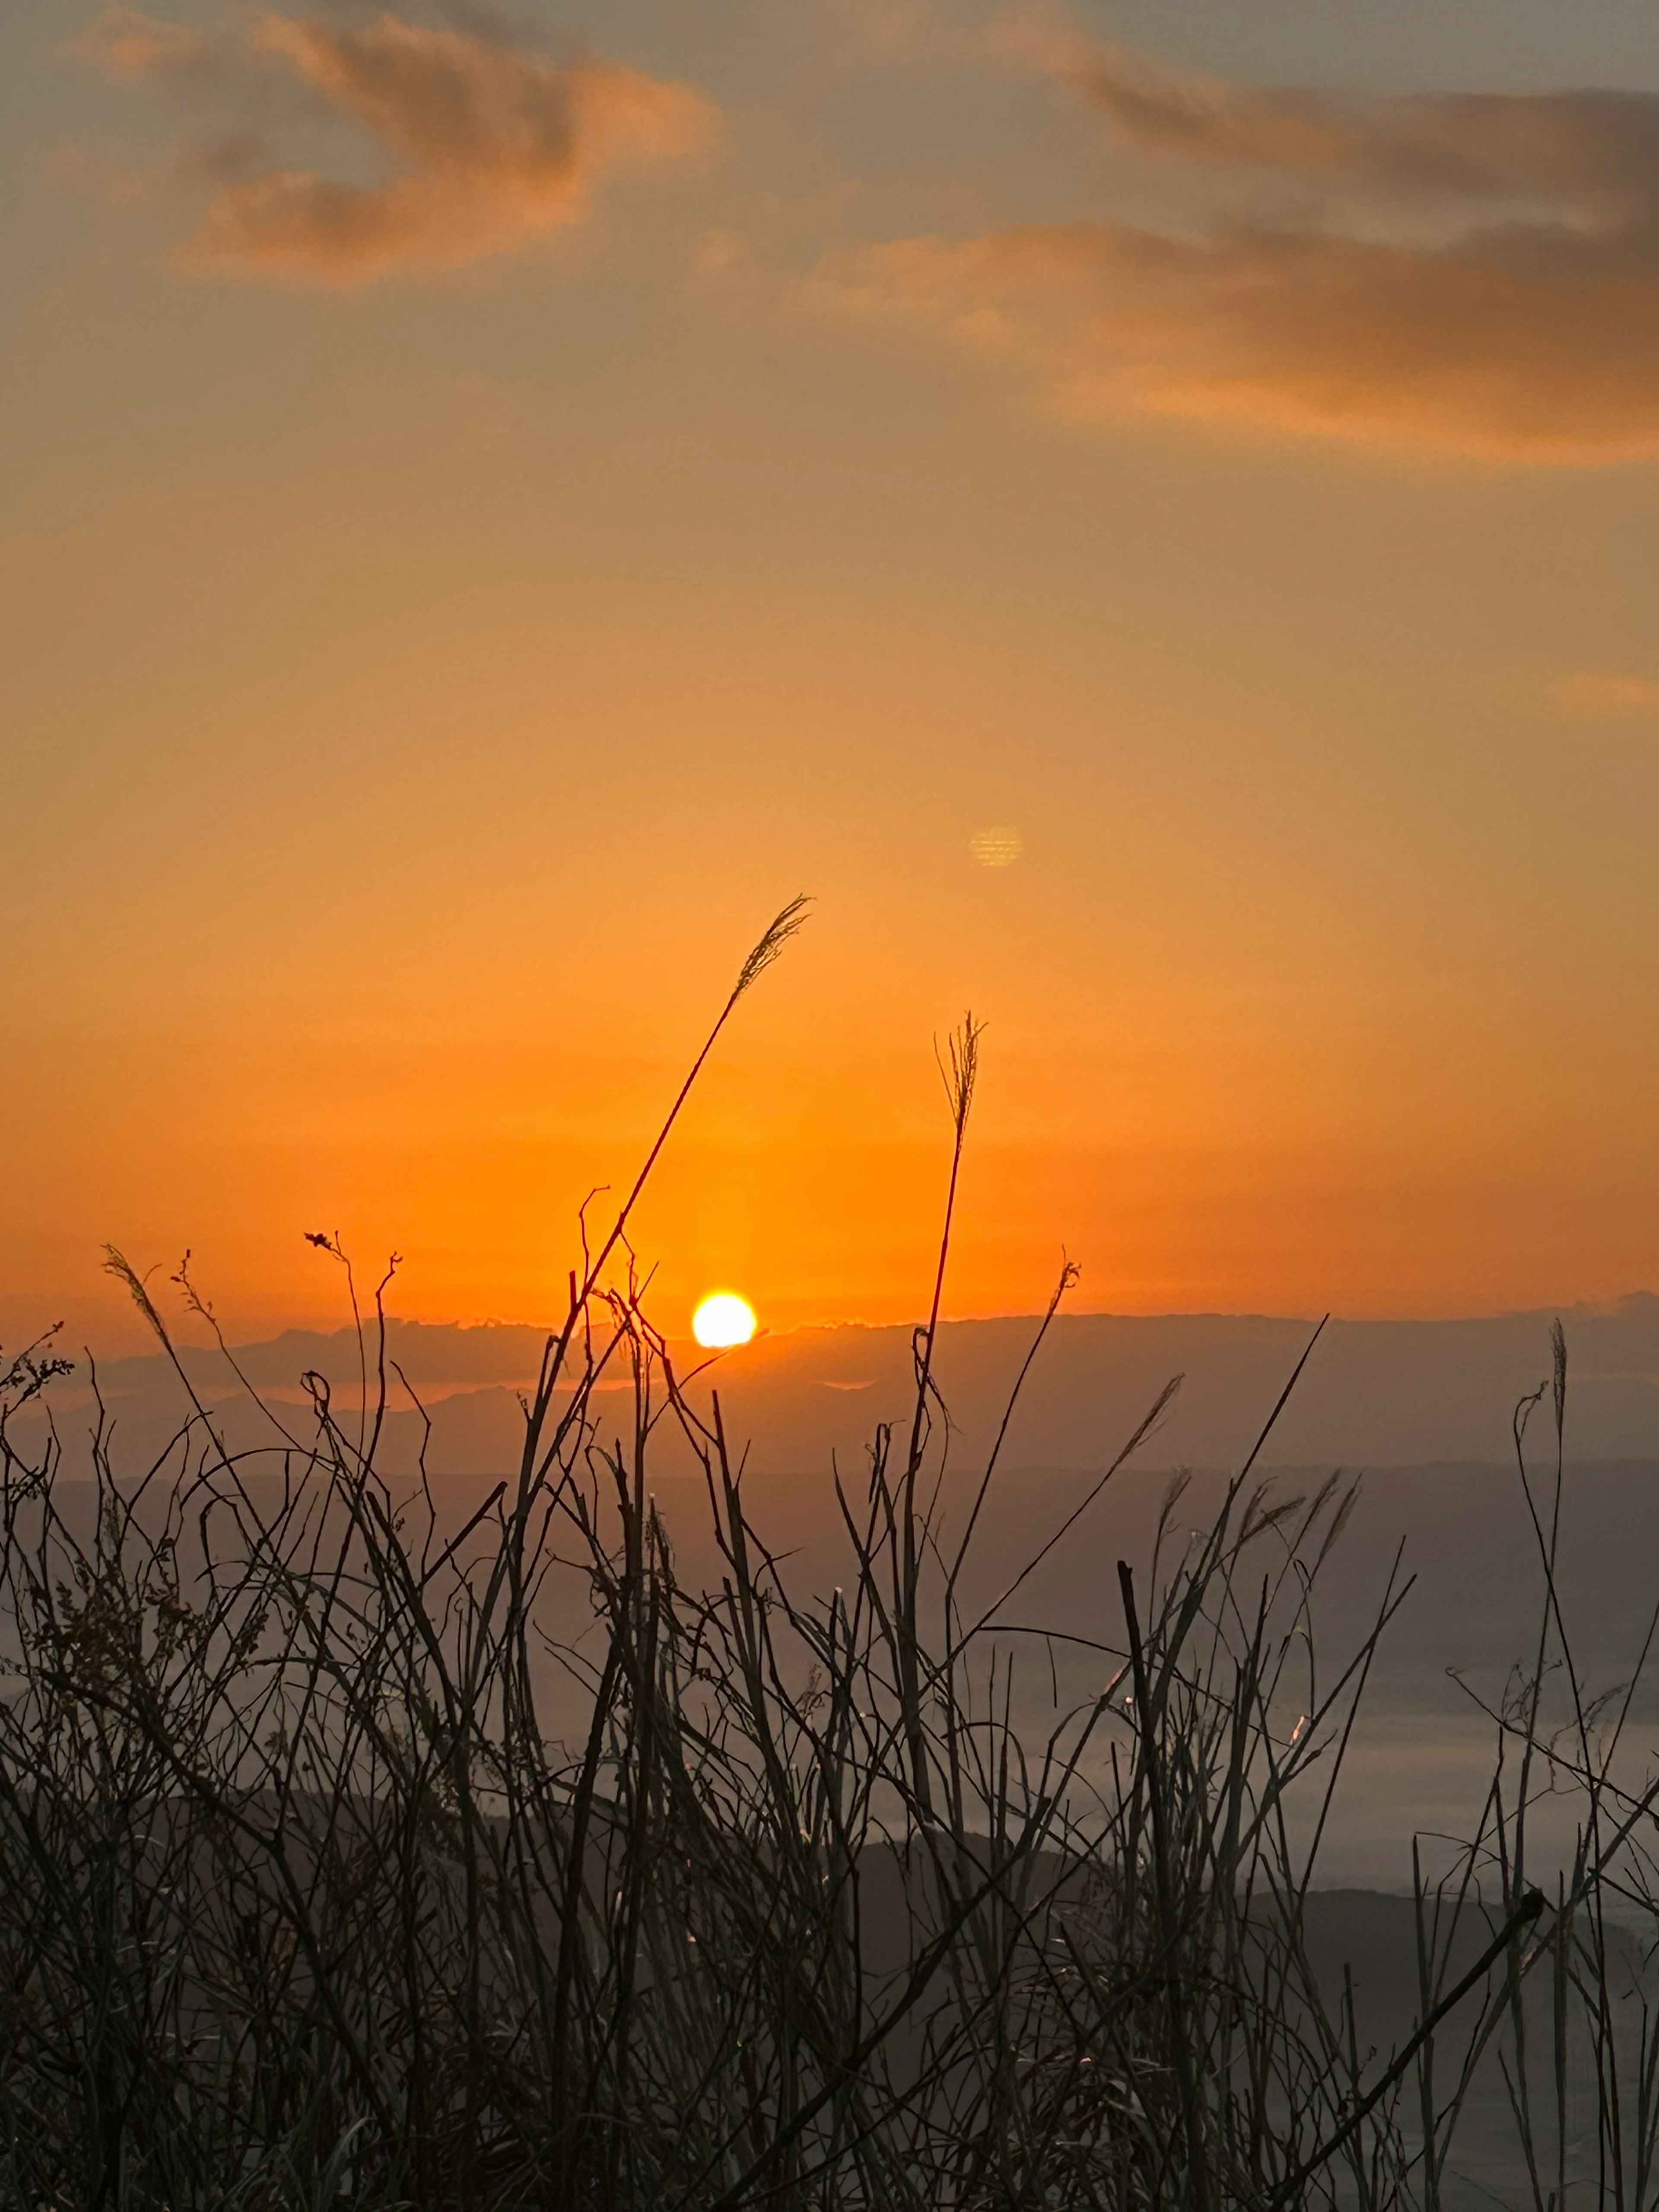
[1374, 1393]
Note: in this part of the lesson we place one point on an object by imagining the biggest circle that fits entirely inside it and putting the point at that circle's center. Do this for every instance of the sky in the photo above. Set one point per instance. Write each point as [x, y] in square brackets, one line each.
[1148, 515]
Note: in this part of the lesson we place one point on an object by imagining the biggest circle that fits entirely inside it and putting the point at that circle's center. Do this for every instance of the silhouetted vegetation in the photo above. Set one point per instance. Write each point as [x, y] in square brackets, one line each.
[337, 1872]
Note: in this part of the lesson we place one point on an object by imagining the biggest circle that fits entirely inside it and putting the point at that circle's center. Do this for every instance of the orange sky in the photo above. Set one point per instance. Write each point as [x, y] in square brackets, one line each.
[487, 517]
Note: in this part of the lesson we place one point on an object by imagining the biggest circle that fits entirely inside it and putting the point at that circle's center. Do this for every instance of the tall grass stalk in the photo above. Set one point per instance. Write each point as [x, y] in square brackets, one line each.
[315, 1896]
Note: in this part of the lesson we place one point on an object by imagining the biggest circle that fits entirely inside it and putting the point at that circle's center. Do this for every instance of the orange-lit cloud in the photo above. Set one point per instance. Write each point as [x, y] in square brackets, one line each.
[1028, 36]
[1596, 151]
[1474, 275]
[1588, 696]
[489, 145]
[127, 44]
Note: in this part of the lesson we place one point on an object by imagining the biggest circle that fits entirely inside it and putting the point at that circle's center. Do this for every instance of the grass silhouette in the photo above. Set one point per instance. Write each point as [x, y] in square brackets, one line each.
[315, 1894]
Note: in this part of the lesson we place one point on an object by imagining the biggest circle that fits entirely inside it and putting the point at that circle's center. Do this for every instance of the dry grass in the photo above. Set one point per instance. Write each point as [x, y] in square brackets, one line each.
[310, 1901]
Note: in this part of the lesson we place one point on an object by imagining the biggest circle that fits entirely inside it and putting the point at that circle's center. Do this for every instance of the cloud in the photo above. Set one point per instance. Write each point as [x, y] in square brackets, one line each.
[1030, 36]
[487, 145]
[1590, 697]
[126, 45]
[1524, 326]
[1595, 150]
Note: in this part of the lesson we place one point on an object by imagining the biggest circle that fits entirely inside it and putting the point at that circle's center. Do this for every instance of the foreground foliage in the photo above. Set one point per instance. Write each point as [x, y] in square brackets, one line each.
[339, 1870]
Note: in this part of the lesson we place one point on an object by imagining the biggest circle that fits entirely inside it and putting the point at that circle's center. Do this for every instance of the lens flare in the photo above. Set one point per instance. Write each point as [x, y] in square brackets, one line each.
[723, 1319]
[996, 848]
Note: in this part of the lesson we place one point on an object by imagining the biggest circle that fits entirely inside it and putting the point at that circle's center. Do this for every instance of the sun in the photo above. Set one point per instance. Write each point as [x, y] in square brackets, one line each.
[723, 1319]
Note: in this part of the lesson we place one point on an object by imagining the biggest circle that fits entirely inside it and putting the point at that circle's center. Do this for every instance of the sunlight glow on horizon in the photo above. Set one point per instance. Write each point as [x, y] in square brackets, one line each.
[722, 1320]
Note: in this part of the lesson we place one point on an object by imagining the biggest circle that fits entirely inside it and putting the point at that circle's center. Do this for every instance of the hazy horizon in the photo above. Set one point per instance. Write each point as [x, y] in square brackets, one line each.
[1389, 1393]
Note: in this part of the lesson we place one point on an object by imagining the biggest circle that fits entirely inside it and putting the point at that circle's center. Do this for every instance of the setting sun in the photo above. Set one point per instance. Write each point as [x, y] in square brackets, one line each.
[722, 1320]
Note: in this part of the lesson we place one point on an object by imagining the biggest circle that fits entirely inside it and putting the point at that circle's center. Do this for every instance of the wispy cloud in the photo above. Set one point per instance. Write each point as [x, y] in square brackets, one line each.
[1473, 275]
[1588, 697]
[487, 143]
[125, 44]
[1028, 36]
[1594, 151]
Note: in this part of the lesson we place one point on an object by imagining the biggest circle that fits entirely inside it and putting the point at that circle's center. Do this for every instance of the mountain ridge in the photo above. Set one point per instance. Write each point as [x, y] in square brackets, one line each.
[1393, 1392]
